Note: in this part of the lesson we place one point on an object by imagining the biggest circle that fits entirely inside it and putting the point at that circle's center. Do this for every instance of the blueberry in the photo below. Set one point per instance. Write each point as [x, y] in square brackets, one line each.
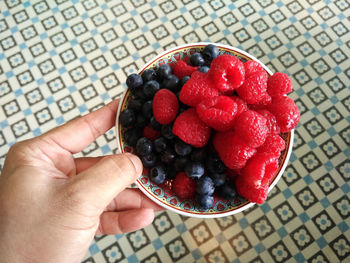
[218, 178]
[136, 105]
[147, 110]
[141, 121]
[134, 82]
[183, 81]
[150, 88]
[197, 59]
[214, 164]
[167, 132]
[194, 170]
[149, 74]
[164, 71]
[131, 136]
[160, 144]
[210, 52]
[143, 146]
[138, 94]
[168, 156]
[155, 124]
[204, 201]
[127, 118]
[180, 163]
[149, 160]
[199, 154]
[227, 190]
[182, 148]
[205, 186]
[203, 69]
[157, 174]
[171, 83]
[171, 172]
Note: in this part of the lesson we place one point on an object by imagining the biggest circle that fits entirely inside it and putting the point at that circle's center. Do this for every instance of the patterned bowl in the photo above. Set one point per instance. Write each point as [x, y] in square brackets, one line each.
[164, 196]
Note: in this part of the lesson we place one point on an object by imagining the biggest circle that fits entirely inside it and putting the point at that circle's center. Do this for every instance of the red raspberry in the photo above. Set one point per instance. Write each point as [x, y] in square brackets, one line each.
[217, 112]
[232, 150]
[286, 112]
[184, 186]
[279, 84]
[227, 72]
[165, 106]
[254, 87]
[271, 121]
[252, 67]
[251, 127]
[273, 144]
[191, 129]
[181, 69]
[254, 180]
[150, 133]
[197, 88]
[241, 105]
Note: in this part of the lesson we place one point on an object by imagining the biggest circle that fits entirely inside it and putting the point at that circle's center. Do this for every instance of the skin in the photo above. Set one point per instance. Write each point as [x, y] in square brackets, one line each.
[52, 204]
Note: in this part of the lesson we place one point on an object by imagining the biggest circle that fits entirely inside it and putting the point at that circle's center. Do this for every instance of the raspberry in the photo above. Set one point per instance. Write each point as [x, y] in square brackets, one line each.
[286, 112]
[251, 127]
[227, 72]
[150, 133]
[254, 87]
[191, 129]
[254, 180]
[271, 121]
[232, 150]
[183, 186]
[241, 105]
[197, 88]
[273, 144]
[165, 106]
[217, 112]
[252, 67]
[279, 84]
[181, 69]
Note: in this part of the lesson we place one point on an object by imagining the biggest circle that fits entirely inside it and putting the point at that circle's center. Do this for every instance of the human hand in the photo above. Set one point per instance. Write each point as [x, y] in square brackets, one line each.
[52, 205]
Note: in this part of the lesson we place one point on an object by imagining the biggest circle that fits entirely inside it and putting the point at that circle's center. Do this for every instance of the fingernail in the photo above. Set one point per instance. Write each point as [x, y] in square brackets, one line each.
[136, 162]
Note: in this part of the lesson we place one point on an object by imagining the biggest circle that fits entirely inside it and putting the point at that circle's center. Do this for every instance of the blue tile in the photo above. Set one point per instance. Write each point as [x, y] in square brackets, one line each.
[259, 248]
[265, 208]
[22, 46]
[331, 131]
[293, 19]
[104, 49]
[40, 81]
[271, 55]
[315, 111]
[85, 16]
[26, 4]
[117, 237]
[339, 42]
[157, 243]
[53, 53]
[287, 193]
[176, 35]
[60, 120]
[114, 22]
[35, 20]
[14, 29]
[347, 152]
[275, 29]
[74, 42]
[181, 228]
[115, 66]
[105, 96]
[6, 13]
[201, 1]
[62, 70]
[156, 45]
[43, 36]
[236, 261]
[124, 38]
[195, 25]
[105, 149]
[310, 10]
[300, 92]
[321, 242]
[307, 35]
[164, 19]
[345, 188]
[290, 45]
[312, 144]
[257, 38]
[133, 259]
[55, 10]
[231, 6]
[18, 92]
[319, 80]
[343, 227]
[50, 100]
[304, 217]
[327, 2]
[153, 3]
[299, 258]
[94, 32]
[31, 63]
[2, 56]
[334, 99]
[337, 70]
[308, 179]
[196, 254]
[64, 26]
[303, 62]
[279, 4]
[329, 166]
[226, 32]
[293, 157]
[105, 6]
[322, 52]
[94, 249]
[325, 202]
[11, 143]
[324, 26]
[94, 77]
[282, 232]
[244, 22]
[213, 16]
[243, 223]
[220, 238]
[72, 89]
[183, 10]
[144, 29]
[4, 124]
[37, 132]
[9, 74]
[262, 13]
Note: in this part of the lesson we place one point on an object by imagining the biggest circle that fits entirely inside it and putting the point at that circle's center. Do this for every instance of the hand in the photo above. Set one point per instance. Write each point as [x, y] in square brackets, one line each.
[52, 205]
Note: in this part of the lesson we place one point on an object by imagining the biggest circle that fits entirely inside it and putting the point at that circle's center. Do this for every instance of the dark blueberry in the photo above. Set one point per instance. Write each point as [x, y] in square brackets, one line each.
[164, 71]
[155, 124]
[199, 154]
[197, 59]
[203, 69]
[138, 94]
[143, 146]
[194, 170]
[168, 156]
[205, 186]
[183, 81]
[167, 132]
[134, 82]
[135, 105]
[147, 110]
[171, 172]
[150, 88]
[214, 164]
[131, 136]
[180, 163]
[157, 174]
[210, 52]
[160, 144]
[218, 178]
[171, 83]
[149, 74]
[141, 121]
[127, 118]
[204, 201]
[227, 190]
[182, 148]
[149, 160]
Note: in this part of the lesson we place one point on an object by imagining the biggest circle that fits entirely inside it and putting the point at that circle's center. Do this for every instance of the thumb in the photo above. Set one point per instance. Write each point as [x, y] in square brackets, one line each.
[99, 184]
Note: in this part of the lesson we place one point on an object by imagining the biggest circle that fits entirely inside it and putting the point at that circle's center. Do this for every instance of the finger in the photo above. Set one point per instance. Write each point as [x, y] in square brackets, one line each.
[83, 163]
[75, 135]
[131, 199]
[114, 223]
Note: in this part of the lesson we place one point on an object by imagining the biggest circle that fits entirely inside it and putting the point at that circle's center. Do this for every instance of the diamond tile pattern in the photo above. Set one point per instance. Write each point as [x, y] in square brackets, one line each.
[62, 59]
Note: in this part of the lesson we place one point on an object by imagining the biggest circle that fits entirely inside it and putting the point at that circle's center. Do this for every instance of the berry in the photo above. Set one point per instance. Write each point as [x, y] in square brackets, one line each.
[286, 112]
[205, 186]
[232, 150]
[143, 146]
[203, 69]
[155, 124]
[165, 106]
[127, 118]
[254, 180]
[168, 156]
[214, 164]
[135, 105]
[252, 67]
[160, 144]
[147, 111]
[171, 83]
[241, 105]
[164, 71]
[227, 72]
[217, 112]
[197, 88]
[273, 144]
[271, 121]
[182, 148]
[181, 69]
[189, 128]
[218, 178]
[150, 133]
[150, 88]
[194, 169]
[227, 190]
[141, 121]
[180, 163]
[210, 52]
[251, 128]
[149, 161]
[158, 174]
[199, 154]
[197, 59]
[149, 74]
[183, 186]
[204, 201]
[254, 87]
[167, 131]
[134, 82]
[131, 136]
[183, 81]
[279, 84]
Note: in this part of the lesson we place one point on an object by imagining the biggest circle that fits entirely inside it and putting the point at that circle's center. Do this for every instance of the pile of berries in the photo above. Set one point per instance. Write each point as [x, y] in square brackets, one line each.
[210, 124]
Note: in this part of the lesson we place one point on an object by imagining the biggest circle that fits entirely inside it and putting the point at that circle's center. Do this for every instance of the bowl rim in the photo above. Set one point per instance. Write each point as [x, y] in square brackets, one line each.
[184, 212]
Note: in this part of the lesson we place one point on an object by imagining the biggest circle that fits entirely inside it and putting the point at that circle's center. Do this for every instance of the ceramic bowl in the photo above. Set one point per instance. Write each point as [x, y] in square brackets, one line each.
[164, 196]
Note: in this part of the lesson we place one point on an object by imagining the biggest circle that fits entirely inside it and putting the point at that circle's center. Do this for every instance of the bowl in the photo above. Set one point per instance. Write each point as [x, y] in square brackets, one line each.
[163, 195]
